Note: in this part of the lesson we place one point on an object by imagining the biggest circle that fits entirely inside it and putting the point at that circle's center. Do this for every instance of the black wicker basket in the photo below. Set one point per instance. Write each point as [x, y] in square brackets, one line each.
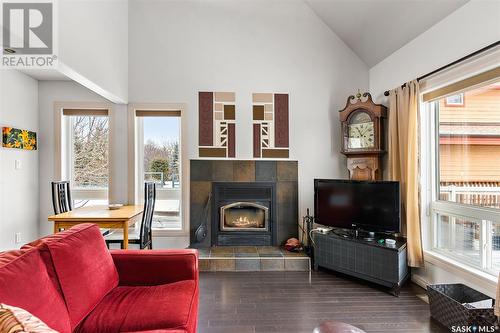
[446, 303]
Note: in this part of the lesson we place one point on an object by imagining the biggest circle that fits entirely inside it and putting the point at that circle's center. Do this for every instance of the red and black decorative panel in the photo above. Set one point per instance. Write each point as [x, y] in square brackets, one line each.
[270, 125]
[217, 117]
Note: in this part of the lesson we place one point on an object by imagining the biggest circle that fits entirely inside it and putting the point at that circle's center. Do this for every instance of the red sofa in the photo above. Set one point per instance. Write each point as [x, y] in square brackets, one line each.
[74, 284]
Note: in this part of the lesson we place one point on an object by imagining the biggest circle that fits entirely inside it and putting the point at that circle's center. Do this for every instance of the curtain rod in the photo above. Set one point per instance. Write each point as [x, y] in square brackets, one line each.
[386, 93]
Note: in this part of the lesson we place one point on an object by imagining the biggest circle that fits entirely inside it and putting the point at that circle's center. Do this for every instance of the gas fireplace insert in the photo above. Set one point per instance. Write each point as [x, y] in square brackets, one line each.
[243, 213]
[244, 216]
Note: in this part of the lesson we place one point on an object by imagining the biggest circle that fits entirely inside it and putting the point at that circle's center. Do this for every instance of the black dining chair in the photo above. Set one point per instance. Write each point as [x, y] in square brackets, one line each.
[61, 197]
[143, 234]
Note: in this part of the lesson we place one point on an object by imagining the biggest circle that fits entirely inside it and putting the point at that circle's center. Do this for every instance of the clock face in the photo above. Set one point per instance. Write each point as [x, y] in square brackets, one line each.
[361, 132]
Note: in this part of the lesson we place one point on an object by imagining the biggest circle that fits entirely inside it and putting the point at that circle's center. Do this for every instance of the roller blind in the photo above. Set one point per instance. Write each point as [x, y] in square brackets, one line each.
[475, 81]
[158, 113]
[85, 112]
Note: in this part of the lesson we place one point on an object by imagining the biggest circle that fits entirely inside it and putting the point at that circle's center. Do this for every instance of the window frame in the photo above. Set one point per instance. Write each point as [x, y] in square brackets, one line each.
[133, 133]
[436, 263]
[62, 148]
[434, 207]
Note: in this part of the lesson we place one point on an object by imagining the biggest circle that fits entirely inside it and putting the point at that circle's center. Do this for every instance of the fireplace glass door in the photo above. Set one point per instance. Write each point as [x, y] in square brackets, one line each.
[244, 216]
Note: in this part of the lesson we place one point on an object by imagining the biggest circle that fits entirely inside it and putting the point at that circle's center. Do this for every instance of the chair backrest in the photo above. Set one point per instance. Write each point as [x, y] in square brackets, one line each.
[147, 215]
[61, 197]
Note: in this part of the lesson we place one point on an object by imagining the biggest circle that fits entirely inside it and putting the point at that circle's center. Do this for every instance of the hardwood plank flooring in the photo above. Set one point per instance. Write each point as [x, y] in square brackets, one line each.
[296, 302]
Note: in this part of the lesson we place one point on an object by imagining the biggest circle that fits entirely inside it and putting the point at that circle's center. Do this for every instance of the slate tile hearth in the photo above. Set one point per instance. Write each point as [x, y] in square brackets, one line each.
[248, 251]
[252, 258]
[245, 249]
[272, 264]
[249, 265]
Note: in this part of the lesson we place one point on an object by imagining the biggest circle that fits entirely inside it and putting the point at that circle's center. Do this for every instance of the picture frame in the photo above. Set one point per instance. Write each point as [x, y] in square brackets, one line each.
[18, 138]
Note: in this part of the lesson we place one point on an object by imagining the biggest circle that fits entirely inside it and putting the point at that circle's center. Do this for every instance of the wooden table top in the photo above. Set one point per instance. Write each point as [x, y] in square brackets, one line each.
[101, 213]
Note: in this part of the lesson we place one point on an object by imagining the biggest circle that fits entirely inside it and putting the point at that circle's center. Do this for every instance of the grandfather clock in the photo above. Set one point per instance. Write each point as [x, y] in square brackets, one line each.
[362, 136]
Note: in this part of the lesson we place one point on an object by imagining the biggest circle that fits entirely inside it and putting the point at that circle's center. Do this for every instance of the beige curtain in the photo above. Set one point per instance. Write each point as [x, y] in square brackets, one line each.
[404, 163]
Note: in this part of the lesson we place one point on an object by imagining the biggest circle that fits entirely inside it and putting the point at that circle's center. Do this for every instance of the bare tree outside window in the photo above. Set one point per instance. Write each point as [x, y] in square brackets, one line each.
[90, 151]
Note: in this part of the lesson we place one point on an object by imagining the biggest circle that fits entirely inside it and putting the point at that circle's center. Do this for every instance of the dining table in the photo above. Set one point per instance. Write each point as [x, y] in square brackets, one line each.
[120, 218]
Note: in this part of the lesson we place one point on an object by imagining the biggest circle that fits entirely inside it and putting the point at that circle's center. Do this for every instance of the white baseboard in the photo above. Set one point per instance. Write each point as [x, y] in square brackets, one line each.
[419, 280]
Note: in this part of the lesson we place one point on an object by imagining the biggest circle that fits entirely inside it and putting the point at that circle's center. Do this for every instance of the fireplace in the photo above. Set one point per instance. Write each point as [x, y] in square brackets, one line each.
[243, 213]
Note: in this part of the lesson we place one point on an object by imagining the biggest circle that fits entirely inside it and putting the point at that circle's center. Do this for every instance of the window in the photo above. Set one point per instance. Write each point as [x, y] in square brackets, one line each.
[459, 237]
[158, 155]
[85, 162]
[465, 211]
[455, 100]
[469, 149]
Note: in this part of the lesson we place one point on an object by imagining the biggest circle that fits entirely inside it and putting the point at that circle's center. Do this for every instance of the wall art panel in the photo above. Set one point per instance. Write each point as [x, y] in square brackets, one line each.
[217, 118]
[271, 125]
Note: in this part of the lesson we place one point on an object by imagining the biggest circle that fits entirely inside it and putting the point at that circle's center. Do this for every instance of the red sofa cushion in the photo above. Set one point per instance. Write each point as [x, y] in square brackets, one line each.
[83, 265]
[25, 283]
[150, 268]
[164, 308]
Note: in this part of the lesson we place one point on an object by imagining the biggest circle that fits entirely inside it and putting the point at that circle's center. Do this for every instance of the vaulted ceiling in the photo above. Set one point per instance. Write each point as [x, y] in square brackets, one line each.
[374, 29]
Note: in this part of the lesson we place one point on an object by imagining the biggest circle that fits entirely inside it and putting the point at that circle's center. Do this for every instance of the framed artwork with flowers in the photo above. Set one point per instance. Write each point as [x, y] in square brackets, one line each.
[18, 138]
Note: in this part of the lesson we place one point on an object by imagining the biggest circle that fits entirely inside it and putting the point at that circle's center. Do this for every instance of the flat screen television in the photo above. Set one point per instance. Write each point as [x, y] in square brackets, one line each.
[371, 206]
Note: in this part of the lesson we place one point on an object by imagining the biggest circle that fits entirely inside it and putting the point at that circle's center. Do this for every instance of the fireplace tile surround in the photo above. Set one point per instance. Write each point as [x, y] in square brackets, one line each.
[204, 173]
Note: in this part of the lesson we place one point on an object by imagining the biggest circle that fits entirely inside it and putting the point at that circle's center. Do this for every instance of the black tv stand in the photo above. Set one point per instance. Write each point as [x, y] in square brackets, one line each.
[347, 253]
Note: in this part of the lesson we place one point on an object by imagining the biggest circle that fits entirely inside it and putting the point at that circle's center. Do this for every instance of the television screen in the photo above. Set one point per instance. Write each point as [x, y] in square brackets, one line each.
[372, 206]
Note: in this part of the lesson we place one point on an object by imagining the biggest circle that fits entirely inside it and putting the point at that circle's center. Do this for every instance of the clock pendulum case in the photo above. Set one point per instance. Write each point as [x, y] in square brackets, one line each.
[363, 136]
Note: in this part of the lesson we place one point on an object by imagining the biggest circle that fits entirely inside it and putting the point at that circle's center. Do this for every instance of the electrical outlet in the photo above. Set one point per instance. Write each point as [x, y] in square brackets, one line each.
[18, 237]
[18, 164]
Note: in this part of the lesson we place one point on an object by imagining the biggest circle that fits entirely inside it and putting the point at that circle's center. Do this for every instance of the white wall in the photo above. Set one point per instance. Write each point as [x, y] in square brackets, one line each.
[93, 45]
[468, 29]
[18, 188]
[181, 47]
[66, 91]
[118, 192]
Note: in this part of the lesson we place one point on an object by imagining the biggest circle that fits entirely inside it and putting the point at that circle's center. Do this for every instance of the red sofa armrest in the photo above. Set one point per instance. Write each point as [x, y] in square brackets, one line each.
[155, 267]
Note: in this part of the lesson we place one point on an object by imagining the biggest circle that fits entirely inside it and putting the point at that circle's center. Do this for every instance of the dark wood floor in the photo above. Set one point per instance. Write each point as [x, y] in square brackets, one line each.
[292, 302]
